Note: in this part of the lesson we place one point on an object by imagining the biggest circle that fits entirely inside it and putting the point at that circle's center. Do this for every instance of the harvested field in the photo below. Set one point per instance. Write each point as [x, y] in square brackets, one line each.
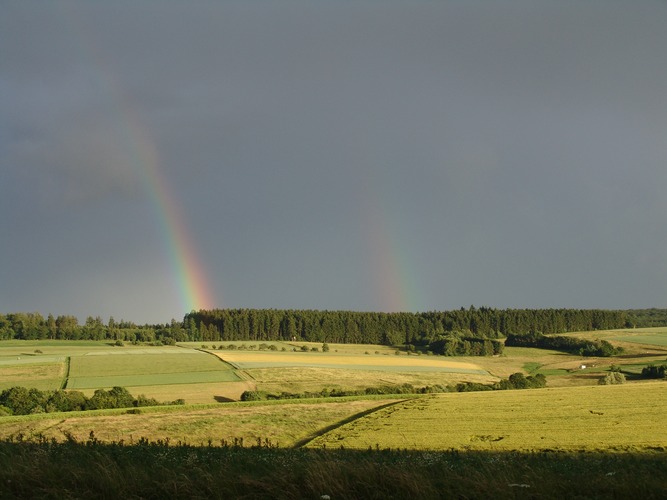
[624, 417]
[39, 375]
[283, 424]
[302, 379]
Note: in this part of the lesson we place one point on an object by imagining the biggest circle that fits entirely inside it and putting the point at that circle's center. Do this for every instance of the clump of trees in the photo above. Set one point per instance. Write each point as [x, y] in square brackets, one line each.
[463, 344]
[653, 371]
[23, 401]
[572, 345]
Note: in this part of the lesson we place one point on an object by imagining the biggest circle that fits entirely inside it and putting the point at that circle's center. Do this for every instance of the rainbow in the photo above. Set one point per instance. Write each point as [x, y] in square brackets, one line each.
[393, 281]
[192, 282]
[187, 269]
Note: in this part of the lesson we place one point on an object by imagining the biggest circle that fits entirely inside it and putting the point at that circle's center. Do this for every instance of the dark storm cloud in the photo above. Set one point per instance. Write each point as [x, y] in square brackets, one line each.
[514, 150]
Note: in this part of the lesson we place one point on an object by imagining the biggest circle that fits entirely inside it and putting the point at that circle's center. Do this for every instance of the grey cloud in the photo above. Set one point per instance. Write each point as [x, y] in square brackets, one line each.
[515, 150]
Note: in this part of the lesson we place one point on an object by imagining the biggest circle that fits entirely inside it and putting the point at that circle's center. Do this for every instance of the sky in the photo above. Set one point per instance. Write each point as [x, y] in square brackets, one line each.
[163, 156]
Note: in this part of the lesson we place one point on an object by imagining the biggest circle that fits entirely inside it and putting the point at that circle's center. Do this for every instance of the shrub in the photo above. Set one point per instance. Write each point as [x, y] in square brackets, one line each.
[254, 396]
[612, 378]
[325, 347]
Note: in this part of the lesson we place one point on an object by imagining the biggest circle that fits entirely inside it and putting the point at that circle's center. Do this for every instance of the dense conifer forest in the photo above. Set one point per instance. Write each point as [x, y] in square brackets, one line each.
[448, 330]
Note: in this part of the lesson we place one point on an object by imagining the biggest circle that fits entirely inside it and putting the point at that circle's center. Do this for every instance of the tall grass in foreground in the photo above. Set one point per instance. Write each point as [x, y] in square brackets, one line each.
[46, 469]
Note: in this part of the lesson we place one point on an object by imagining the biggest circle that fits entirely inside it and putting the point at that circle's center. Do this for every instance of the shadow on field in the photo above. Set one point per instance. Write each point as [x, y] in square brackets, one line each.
[222, 399]
[320, 432]
[46, 469]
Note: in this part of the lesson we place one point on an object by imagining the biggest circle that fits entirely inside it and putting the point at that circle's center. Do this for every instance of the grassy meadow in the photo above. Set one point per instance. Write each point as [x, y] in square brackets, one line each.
[147, 367]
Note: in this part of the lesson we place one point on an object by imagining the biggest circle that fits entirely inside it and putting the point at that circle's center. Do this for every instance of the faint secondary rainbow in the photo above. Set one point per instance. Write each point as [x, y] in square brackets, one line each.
[190, 278]
[393, 279]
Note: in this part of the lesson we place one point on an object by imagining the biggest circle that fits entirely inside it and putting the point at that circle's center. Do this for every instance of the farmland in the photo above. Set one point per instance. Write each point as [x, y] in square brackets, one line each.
[509, 437]
[210, 374]
[602, 418]
[146, 367]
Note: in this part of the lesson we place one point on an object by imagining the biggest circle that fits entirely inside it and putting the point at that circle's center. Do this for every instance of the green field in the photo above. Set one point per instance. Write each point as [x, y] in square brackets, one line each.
[162, 366]
[147, 370]
[652, 337]
[657, 339]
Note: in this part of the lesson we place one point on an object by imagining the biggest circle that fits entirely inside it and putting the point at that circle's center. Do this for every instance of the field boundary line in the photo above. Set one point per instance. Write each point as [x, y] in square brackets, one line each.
[231, 365]
[321, 432]
[63, 384]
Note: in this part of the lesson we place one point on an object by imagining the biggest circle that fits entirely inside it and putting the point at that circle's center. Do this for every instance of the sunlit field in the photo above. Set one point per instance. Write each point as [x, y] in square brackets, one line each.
[281, 423]
[160, 366]
[499, 444]
[602, 418]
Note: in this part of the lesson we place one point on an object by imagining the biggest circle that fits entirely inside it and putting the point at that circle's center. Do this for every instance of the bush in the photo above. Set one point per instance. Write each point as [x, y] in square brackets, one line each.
[612, 378]
[325, 347]
[254, 396]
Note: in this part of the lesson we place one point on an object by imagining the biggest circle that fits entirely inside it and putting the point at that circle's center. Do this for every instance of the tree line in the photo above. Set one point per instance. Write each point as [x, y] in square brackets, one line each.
[417, 329]
[390, 328]
[571, 345]
[24, 401]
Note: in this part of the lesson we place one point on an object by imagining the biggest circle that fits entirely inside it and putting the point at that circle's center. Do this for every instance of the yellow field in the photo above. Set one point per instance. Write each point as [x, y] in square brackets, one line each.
[268, 358]
[48, 376]
[192, 393]
[302, 379]
[623, 417]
